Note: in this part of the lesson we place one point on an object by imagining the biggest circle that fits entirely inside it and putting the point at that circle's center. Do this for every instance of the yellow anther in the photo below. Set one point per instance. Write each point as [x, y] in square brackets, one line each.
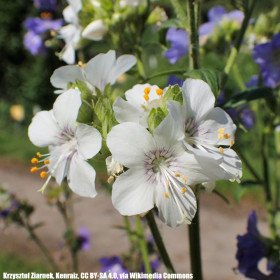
[53, 33]
[43, 174]
[221, 149]
[147, 90]
[166, 195]
[33, 169]
[221, 130]
[168, 184]
[80, 64]
[39, 155]
[183, 190]
[177, 174]
[111, 180]
[220, 136]
[184, 178]
[231, 143]
[34, 160]
[146, 97]
[226, 136]
[46, 161]
[159, 91]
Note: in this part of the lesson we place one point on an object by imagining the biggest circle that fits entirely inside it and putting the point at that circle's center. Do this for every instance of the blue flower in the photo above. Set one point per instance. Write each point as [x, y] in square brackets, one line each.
[39, 26]
[267, 56]
[34, 43]
[215, 16]
[112, 264]
[251, 249]
[173, 80]
[179, 41]
[45, 5]
[83, 239]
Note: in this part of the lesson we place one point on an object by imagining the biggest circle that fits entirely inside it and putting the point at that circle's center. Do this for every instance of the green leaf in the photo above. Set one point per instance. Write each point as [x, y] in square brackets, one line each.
[209, 76]
[155, 118]
[248, 96]
[85, 114]
[173, 93]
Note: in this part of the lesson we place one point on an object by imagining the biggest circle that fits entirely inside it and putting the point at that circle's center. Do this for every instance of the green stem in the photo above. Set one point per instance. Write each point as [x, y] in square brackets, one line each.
[159, 242]
[194, 241]
[41, 245]
[237, 44]
[193, 16]
[250, 167]
[143, 245]
[180, 13]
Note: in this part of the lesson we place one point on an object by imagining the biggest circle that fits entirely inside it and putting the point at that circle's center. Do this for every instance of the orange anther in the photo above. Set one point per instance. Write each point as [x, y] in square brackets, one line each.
[147, 90]
[159, 91]
[34, 169]
[43, 174]
[46, 161]
[34, 160]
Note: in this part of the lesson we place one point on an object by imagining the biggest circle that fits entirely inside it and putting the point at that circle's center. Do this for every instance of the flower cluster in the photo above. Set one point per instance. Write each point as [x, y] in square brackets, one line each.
[38, 27]
[167, 140]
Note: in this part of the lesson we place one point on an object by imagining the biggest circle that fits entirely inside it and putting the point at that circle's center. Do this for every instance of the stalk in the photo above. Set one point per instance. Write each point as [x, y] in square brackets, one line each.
[143, 245]
[237, 44]
[194, 242]
[159, 242]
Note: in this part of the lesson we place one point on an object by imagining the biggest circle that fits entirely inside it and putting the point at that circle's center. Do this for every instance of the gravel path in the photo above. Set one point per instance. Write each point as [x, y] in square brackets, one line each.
[220, 225]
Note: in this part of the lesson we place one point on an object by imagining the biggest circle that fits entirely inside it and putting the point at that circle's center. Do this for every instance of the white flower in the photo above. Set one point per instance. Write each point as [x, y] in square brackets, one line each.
[95, 30]
[101, 70]
[70, 33]
[131, 3]
[140, 100]
[70, 144]
[208, 131]
[159, 172]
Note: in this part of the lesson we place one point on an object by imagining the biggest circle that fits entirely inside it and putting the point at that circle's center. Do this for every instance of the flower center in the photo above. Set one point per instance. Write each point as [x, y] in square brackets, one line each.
[190, 127]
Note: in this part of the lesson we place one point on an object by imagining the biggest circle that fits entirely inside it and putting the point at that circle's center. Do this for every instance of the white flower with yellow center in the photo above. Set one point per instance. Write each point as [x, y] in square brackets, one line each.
[100, 71]
[140, 100]
[70, 145]
[159, 172]
[208, 130]
[70, 33]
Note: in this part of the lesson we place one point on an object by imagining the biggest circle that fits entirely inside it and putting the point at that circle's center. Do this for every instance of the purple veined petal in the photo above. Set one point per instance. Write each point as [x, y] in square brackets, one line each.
[276, 41]
[262, 53]
[34, 43]
[252, 223]
[83, 239]
[248, 117]
[39, 26]
[216, 13]
[112, 264]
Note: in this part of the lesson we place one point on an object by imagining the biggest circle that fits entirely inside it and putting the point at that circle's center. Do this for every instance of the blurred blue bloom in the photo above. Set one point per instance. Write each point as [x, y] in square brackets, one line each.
[267, 56]
[34, 43]
[112, 264]
[45, 5]
[243, 114]
[173, 80]
[13, 206]
[179, 41]
[215, 16]
[83, 239]
[39, 26]
[250, 250]
[253, 82]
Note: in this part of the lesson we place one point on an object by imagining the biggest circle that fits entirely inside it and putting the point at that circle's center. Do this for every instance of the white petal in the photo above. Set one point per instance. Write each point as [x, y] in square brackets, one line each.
[210, 124]
[198, 98]
[81, 177]
[177, 208]
[125, 112]
[98, 68]
[128, 143]
[89, 140]
[59, 163]
[75, 4]
[168, 133]
[43, 130]
[123, 64]
[64, 75]
[95, 30]
[66, 109]
[68, 54]
[132, 194]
